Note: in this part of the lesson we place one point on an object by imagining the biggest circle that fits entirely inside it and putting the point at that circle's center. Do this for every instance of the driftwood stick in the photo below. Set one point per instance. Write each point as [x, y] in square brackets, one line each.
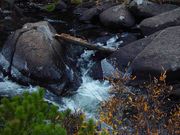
[83, 43]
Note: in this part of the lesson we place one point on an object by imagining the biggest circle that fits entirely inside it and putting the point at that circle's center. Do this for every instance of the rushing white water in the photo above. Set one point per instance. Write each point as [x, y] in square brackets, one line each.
[10, 89]
[91, 92]
[88, 97]
[113, 43]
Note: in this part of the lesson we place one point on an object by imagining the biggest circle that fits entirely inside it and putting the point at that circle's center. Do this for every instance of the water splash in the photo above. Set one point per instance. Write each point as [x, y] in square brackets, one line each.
[89, 96]
[10, 89]
[91, 92]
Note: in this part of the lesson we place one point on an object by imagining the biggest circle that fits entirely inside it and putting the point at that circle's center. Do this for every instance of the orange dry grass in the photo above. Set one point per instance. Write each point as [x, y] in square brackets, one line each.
[147, 112]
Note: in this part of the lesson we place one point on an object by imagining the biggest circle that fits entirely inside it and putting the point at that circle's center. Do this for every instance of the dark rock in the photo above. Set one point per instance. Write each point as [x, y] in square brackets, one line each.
[89, 14]
[101, 70]
[176, 2]
[88, 4]
[176, 91]
[149, 9]
[93, 12]
[32, 55]
[79, 11]
[96, 71]
[126, 54]
[151, 56]
[61, 5]
[161, 21]
[84, 6]
[1, 14]
[162, 54]
[117, 17]
[73, 53]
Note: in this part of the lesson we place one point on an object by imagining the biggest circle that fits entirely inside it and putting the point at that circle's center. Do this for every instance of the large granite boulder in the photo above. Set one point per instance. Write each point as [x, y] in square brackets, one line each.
[151, 56]
[33, 55]
[161, 21]
[148, 9]
[163, 53]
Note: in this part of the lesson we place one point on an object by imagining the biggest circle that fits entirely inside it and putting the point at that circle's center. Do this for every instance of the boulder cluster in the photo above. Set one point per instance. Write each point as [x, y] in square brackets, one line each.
[31, 55]
[158, 50]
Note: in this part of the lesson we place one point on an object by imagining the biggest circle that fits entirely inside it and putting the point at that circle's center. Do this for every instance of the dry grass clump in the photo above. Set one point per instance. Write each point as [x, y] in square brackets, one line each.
[146, 111]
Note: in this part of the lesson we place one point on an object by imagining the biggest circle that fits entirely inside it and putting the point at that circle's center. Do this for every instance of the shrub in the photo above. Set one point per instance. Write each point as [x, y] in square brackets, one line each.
[29, 114]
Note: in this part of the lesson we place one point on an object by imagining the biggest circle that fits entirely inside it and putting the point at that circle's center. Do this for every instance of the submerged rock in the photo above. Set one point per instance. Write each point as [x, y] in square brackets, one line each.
[161, 21]
[33, 55]
[117, 17]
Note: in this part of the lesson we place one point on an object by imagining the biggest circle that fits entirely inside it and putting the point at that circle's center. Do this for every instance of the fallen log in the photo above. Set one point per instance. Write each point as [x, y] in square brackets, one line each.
[83, 43]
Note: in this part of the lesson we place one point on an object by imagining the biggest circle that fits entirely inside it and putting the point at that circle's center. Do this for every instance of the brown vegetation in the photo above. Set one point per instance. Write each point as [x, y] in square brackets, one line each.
[148, 110]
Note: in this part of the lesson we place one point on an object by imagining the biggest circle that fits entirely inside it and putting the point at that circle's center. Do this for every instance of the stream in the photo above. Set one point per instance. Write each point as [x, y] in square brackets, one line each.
[91, 92]
[87, 98]
[89, 95]
[90, 53]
